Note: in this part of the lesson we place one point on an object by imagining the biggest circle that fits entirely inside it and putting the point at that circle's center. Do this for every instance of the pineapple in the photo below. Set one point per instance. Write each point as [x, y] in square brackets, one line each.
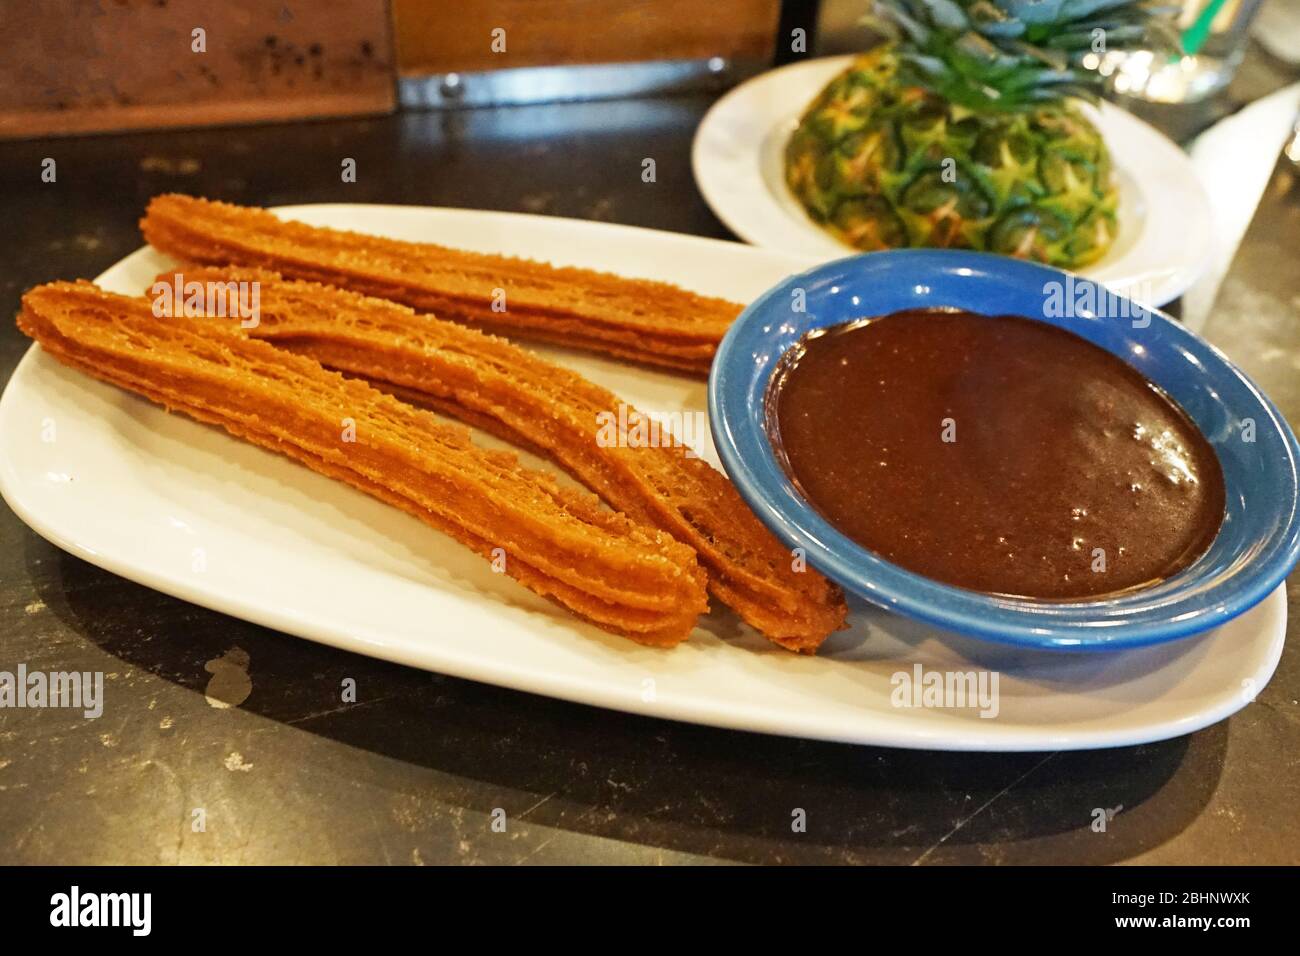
[962, 132]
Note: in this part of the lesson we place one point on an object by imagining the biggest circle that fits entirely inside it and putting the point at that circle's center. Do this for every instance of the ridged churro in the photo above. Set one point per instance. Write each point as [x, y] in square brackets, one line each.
[622, 576]
[640, 320]
[494, 385]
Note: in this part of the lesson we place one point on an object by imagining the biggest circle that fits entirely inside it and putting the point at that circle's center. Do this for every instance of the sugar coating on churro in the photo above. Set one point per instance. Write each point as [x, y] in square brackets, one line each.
[494, 385]
[622, 576]
[641, 320]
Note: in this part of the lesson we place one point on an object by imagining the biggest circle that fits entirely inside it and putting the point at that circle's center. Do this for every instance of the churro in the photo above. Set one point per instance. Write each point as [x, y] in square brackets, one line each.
[491, 384]
[640, 320]
[622, 576]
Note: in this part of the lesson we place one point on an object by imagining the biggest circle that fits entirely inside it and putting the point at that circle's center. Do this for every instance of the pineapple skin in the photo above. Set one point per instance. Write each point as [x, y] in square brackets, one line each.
[880, 165]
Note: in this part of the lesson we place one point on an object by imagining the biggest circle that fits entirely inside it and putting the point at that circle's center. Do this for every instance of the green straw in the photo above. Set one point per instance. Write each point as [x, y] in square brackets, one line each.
[1194, 36]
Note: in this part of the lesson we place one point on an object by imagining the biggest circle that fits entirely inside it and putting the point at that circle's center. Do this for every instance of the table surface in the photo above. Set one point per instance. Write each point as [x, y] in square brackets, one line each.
[414, 772]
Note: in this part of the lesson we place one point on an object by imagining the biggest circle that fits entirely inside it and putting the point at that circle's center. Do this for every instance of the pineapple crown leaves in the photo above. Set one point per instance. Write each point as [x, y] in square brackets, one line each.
[1011, 55]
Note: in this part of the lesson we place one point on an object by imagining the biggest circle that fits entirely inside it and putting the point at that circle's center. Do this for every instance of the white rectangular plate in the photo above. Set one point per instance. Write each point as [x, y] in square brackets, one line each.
[192, 512]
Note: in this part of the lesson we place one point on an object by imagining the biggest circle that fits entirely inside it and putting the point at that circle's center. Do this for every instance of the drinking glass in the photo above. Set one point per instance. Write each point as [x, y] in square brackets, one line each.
[1164, 78]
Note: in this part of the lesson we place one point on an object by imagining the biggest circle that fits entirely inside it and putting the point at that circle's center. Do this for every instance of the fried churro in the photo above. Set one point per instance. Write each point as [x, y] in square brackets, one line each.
[620, 575]
[640, 320]
[491, 384]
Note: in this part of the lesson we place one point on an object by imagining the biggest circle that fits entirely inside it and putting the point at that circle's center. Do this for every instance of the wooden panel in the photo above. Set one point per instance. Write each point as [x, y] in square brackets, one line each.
[85, 65]
[434, 36]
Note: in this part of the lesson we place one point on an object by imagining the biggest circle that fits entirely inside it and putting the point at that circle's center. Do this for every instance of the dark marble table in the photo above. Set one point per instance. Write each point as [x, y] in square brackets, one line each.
[412, 773]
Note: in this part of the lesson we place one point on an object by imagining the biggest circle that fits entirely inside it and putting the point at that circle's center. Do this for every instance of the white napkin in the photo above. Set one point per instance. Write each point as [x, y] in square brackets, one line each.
[1235, 158]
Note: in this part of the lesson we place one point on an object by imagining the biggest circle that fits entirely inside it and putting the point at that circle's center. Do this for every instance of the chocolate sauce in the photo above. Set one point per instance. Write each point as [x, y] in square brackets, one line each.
[998, 454]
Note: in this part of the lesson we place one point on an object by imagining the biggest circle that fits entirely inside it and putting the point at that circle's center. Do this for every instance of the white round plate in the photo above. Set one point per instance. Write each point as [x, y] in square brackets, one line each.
[135, 490]
[1164, 220]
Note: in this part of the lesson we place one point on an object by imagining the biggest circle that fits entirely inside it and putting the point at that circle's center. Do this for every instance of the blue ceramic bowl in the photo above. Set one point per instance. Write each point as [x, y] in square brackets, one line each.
[1255, 549]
